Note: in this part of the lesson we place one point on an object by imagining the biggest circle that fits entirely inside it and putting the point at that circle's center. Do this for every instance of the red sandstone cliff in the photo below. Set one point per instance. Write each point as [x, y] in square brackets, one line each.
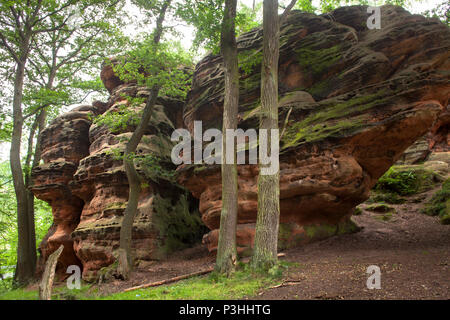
[353, 99]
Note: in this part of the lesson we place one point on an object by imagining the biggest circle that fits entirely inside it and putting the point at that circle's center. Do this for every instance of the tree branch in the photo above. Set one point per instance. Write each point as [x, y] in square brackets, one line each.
[35, 111]
[287, 11]
[9, 49]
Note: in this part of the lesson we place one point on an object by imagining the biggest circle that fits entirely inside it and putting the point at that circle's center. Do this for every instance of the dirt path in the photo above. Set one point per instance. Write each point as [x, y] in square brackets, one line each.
[411, 249]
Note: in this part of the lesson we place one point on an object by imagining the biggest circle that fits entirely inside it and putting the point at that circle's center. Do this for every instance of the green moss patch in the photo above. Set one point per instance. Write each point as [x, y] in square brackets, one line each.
[384, 212]
[439, 204]
[357, 211]
[407, 180]
[332, 120]
[380, 207]
[387, 197]
[385, 217]
[318, 60]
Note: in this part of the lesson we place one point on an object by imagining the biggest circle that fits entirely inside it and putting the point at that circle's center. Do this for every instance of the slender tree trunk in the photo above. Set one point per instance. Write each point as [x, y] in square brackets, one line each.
[267, 222]
[37, 127]
[226, 251]
[30, 196]
[125, 259]
[26, 246]
[126, 229]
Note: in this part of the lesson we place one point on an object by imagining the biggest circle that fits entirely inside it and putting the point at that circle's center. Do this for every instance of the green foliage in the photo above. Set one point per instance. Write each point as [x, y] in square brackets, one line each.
[8, 221]
[385, 216]
[242, 283]
[5, 128]
[305, 5]
[384, 212]
[207, 16]
[155, 168]
[68, 40]
[439, 205]
[245, 282]
[442, 12]
[247, 18]
[250, 61]
[118, 121]
[165, 65]
[18, 294]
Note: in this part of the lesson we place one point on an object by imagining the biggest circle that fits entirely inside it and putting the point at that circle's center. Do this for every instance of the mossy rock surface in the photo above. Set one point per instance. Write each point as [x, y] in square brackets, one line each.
[439, 204]
[379, 207]
[385, 217]
[391, 198]
[407, 180]
[357, 211]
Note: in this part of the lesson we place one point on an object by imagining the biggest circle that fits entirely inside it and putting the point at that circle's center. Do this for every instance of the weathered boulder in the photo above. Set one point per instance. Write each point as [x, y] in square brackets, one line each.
[374, 93]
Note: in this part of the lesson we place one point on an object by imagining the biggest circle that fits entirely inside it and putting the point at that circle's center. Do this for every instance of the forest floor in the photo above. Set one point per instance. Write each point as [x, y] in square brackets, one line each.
[411, 249]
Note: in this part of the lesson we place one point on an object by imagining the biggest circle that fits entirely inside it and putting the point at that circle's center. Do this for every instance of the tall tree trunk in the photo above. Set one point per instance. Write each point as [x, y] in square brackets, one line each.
[267, 222]
[26, 246]
[125, 259]
[30, 196]
[37, 127]
[226, 251]
[134, 182]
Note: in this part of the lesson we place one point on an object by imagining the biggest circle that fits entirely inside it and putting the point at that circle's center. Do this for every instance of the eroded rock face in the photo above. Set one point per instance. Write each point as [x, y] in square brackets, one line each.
[374, 93]
[64, 143]
[352, 99]
[437, 140]
[84, 181]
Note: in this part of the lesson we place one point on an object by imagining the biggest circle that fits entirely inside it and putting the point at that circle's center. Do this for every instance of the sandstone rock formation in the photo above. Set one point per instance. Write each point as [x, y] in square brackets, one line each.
[437, 140]
[84, 181]
[374, 93]
[351, 101]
